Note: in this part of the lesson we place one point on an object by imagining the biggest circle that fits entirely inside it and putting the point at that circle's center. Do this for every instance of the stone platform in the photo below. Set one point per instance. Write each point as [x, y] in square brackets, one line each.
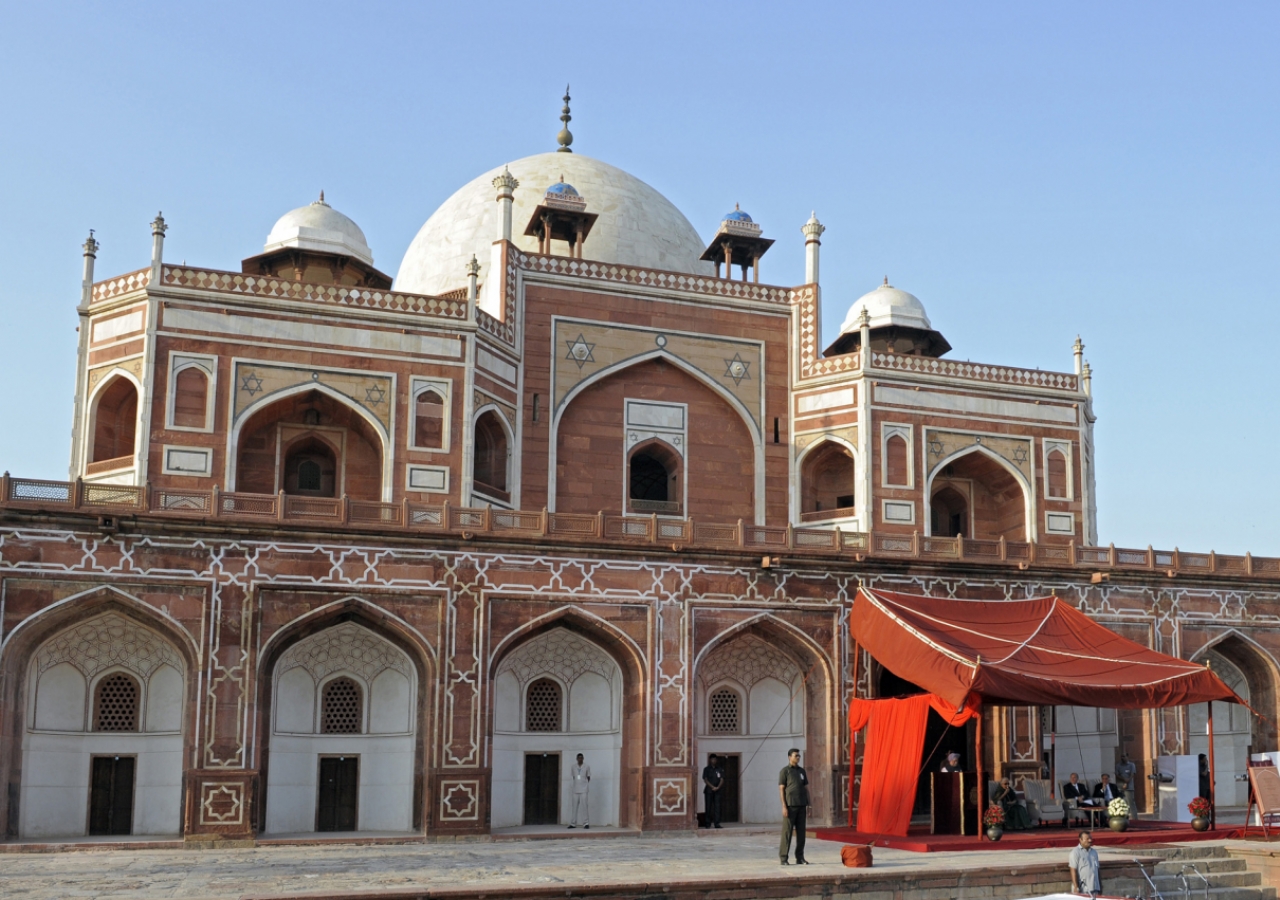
[723, 864]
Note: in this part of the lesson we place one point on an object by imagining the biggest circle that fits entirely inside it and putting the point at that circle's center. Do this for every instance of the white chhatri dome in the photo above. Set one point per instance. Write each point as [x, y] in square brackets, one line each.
[319, 226]
[887, 305]
[637, 226]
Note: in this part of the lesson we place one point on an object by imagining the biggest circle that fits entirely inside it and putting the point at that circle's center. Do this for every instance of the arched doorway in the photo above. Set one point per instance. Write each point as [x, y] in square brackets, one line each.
[1237, 732]
[491, 457]
[782, 685]
[555, 695]
[749, 710]
[654, 480]
[102, 743]
[979, 497]
[312, 445]
[344, 730]
[115, 423]
[827, 482]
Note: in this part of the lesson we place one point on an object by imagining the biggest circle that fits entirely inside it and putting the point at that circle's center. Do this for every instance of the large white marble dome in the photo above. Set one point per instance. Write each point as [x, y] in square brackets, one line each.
[637, 226]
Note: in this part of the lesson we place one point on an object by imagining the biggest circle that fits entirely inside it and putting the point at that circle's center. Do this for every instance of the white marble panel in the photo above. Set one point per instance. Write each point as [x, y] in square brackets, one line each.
[970, 404]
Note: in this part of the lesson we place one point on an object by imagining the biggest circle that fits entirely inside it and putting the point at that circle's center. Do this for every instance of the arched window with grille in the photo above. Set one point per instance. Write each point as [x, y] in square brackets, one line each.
[544, 706]
[724, 712]
[342, 708]
[115, 703]
[653, 479]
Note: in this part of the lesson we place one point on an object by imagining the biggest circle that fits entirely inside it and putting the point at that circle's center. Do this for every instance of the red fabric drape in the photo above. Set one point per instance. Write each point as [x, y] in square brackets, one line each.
[891, 763]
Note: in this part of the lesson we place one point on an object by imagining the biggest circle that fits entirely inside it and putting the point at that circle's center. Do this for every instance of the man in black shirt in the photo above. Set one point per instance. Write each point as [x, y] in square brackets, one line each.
[712, 782]
[793, 791]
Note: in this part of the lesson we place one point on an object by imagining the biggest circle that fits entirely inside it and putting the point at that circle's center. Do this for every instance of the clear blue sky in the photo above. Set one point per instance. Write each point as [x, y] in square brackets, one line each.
[1029, 170]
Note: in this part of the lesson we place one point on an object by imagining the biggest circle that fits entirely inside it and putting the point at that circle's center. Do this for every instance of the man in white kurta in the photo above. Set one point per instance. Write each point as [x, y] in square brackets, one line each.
[581, 775]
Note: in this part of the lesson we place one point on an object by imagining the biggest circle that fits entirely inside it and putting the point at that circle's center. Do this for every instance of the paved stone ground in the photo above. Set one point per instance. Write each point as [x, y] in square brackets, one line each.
[114, 874]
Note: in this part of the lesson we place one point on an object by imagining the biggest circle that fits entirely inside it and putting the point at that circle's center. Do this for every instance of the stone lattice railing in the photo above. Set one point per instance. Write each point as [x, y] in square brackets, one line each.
[343, 513]
[947, 368]
[451, 307]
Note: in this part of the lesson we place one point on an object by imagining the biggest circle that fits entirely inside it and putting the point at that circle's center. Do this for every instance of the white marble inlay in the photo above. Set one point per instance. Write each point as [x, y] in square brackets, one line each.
[289, 332]
[113, 328]
[966, 403]
[826, 400]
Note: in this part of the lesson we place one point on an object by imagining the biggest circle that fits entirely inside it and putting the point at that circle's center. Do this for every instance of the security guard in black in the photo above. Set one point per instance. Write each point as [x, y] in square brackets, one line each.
[793, 791]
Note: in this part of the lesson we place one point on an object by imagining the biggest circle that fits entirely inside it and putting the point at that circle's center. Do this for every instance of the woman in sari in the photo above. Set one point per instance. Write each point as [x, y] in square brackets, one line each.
[1016, 817]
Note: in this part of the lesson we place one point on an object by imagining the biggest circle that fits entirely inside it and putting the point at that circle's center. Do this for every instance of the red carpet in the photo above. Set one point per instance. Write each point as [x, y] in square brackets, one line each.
[919, 839]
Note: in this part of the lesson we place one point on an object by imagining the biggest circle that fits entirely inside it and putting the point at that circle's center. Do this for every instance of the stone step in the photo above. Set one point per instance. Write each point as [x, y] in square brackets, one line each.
[1219, 879]
[1129, 888]
[1215, 864]
[1189, 852]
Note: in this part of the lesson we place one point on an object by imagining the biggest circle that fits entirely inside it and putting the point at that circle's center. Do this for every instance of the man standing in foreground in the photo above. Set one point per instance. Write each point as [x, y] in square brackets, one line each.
[581, 775]
[793, 791]
[1085, 875]
[713, 781]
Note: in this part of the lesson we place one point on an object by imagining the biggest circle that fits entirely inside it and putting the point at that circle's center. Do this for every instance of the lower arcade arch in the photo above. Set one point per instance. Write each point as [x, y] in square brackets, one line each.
[342, 713]
[759, 690]
[101, 709]
[568, 686]
[1237, 732]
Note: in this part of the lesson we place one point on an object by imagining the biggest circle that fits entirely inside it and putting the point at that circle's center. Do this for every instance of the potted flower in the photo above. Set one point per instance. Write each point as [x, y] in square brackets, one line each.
[1118, 811]
[993, 818]
[1199, 809]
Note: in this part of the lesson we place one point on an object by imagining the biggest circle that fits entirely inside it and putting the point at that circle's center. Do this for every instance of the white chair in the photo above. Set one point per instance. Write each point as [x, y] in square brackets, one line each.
[1040, 805]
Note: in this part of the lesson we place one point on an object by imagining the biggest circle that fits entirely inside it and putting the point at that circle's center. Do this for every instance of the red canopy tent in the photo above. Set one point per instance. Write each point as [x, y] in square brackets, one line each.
[965, 653]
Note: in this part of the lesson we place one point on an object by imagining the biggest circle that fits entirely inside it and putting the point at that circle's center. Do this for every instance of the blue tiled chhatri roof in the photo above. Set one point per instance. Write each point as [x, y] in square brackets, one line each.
[738, 216]
[561, 188]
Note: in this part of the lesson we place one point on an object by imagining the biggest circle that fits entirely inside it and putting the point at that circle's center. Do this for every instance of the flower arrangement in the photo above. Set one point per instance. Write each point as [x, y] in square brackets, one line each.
[993, 817]
[1199, 807]
[1118, 808]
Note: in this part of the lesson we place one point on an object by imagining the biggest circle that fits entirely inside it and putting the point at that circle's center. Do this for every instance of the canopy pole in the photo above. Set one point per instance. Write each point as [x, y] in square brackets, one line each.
[1213, 793]
[853, 735]
[982, 785]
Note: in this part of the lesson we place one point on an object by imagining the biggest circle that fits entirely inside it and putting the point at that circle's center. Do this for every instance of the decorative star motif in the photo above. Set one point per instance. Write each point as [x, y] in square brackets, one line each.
[251, 384]
[375, 395]
[737, 368]
[580, 351]
[935, 448]
[1020, 455]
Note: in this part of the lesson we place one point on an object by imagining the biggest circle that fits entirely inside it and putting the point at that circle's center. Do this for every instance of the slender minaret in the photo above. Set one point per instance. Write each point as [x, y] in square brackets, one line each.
[1078, 347]
[565, 137]
[812, 231]
[864, 337]
[90, 254]
[158, 228]
[76, 467]
[506, 184]
[473, 273]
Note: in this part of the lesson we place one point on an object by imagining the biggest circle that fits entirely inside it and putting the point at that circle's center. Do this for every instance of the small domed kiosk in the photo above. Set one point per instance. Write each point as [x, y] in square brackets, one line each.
[319, 245]
[898, 324]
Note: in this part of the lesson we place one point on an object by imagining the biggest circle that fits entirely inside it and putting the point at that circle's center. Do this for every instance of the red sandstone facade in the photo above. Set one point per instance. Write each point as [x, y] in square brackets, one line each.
[660, 464]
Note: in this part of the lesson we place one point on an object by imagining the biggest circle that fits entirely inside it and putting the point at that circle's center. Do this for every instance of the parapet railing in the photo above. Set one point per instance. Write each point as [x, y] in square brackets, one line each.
[423, 518]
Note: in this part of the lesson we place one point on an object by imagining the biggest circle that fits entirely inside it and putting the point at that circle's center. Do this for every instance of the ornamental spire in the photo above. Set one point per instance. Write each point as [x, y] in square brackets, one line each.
[565, 137]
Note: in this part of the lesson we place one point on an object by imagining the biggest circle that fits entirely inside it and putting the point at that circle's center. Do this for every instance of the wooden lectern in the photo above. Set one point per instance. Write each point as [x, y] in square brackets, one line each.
[952, 805]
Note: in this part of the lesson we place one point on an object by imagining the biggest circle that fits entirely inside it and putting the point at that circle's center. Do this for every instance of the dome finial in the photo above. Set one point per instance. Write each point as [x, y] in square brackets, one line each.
[320, 202]
[565, 137]
[886, 281]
